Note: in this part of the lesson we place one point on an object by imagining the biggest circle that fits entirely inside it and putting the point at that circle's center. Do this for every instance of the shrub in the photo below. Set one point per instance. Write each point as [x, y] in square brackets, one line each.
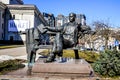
[108, 64]
[10, 65]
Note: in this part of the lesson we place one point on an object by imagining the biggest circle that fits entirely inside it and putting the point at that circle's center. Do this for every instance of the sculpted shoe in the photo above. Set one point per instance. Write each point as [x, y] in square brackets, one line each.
[50, 58]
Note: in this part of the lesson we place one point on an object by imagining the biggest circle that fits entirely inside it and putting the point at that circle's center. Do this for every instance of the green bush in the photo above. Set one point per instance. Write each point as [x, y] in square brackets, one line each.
[108, 63]
[10, 65]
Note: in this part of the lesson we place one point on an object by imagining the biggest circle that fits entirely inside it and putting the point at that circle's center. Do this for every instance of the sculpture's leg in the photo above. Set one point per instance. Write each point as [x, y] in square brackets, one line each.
[31, 58]
[28, 48]
[31, 61]
[59, 44]
[57, 48]
[51, 55]
[31, 51]
[36, 34]
[76, 54]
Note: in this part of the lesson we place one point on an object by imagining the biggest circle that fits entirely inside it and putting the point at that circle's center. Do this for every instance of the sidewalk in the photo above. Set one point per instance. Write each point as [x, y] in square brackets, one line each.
[16, 53]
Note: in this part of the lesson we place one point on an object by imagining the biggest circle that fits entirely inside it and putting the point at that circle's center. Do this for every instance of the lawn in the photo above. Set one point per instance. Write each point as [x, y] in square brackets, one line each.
[9, 46]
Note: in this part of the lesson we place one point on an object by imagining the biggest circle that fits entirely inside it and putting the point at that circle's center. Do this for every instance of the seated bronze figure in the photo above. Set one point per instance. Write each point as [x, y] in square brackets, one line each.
[66, 37]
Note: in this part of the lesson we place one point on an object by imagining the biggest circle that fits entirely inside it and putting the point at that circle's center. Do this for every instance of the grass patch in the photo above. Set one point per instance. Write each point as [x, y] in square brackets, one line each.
[11, 65]
[10, 46]
[107, 77]
[89, 56]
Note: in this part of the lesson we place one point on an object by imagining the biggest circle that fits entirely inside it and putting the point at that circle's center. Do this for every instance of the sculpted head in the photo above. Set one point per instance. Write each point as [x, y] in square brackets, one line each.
[72, 17]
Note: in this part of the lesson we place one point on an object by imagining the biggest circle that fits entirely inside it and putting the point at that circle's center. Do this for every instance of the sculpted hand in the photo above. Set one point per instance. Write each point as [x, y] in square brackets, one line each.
[46, 27]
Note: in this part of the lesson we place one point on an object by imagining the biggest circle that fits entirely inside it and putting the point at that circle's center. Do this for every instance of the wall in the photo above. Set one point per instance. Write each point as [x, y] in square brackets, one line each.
[2, 14]
[5, 1]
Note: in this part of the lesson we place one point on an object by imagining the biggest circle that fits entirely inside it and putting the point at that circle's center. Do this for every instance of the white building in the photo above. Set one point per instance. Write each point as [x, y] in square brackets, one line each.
[60, 20]
[15, 18]
[12, 1]
[19, 18]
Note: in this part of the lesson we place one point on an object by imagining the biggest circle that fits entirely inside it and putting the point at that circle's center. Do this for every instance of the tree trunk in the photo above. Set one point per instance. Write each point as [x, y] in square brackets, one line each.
[106, 43]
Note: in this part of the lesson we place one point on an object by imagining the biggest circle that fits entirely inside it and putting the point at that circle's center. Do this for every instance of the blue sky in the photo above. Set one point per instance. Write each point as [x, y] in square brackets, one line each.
[106, 10]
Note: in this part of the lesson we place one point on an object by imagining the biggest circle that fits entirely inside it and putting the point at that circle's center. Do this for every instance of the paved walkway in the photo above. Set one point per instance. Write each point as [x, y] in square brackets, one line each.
[15, 53]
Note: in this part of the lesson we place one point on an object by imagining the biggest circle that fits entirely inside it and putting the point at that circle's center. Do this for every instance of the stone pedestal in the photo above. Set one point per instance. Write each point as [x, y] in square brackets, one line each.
[64, 66]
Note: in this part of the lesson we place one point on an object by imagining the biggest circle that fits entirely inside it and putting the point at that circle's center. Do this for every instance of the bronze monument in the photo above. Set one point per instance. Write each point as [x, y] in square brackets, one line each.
[66, 36]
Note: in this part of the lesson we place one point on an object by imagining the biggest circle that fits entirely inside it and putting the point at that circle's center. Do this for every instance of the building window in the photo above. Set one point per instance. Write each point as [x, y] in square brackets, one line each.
[3, 15]
[2, 35]
[10, 16]
[13, 16]
[11, 38]
[2, 26]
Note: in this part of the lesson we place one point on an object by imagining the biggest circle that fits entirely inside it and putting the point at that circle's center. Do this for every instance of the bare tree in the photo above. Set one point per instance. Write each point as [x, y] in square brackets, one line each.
[103, 29]
[116, 35]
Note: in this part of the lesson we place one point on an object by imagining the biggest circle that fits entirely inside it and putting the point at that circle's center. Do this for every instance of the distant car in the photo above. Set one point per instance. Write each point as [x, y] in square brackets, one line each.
[82, 49]
[91, 49]
[88, 49]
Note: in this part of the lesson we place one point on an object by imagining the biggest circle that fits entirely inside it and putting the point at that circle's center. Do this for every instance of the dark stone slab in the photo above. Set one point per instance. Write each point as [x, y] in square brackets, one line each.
[63, 66]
